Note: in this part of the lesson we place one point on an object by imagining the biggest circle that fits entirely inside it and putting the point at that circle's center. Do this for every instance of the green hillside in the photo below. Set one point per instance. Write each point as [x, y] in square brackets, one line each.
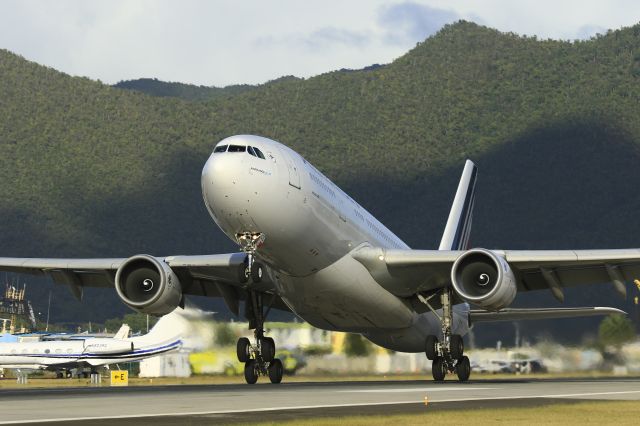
[91, 170]
[190, 92]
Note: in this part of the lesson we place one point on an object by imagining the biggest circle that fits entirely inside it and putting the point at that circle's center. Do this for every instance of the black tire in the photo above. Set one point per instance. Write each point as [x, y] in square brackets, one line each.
[438, 369]
[275, 371]
[68, 374]
[463, 369]
[59, 374]
[242, 273]
[257, 272]
[250, 373]
[430, 347]
[456, 347]
[242, 349]
[268, 346]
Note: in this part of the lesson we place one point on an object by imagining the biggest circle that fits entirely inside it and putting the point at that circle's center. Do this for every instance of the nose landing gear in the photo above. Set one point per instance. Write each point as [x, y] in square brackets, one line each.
[259, 357]
[448, 355]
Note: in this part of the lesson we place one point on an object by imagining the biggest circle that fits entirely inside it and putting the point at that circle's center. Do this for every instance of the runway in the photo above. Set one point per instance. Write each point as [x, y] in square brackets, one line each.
[159, 405]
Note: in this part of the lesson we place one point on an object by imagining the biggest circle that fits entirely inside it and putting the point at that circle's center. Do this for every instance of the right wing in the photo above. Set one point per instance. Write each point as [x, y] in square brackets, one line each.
[217, 275]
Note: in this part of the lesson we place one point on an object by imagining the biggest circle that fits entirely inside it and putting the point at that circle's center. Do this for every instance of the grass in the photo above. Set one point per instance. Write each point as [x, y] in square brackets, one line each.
[582, 413]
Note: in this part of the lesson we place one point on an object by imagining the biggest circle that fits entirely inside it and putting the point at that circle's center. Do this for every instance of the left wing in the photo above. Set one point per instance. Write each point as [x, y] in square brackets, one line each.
[408, 272]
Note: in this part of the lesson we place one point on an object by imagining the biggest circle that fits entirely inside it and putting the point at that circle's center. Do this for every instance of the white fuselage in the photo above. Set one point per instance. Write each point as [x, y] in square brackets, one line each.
[310, 228]
[68, 354]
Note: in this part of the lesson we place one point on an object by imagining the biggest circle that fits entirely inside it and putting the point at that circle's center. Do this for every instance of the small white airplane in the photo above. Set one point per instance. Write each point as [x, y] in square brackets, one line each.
[309, 248]
[85, 355]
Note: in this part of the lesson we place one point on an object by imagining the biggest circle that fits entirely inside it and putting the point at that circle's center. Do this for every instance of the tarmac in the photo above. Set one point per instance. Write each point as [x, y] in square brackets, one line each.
[226, 404]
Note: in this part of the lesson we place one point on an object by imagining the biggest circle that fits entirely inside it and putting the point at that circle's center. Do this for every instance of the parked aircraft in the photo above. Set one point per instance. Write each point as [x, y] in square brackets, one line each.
[307, 247]
[83, 355]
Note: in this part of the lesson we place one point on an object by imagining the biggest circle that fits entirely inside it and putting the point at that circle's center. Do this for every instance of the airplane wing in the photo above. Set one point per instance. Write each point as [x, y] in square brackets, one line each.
[408, 272]
[217, 275]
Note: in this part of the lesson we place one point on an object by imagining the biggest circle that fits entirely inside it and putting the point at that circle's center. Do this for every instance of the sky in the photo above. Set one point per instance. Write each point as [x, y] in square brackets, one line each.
[220, 42]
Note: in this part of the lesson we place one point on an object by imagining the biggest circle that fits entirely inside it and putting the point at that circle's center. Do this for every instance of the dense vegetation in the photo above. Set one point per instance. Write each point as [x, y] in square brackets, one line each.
[190, 92]
[91, 170]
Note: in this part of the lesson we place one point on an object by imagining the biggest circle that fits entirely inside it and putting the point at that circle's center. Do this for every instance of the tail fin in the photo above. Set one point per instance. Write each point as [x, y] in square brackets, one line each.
[123, 332]
[456, 233]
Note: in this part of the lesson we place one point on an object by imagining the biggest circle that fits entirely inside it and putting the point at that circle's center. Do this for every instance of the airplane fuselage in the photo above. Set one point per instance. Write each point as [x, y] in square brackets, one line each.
[310, 228]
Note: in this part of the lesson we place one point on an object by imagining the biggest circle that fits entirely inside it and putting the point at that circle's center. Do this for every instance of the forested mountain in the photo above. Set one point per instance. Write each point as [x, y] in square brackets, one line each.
[190, 92]
[554, 126]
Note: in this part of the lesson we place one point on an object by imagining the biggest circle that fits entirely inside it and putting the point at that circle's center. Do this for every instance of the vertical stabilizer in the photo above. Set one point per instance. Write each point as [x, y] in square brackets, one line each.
[456, 233]
[123, 332]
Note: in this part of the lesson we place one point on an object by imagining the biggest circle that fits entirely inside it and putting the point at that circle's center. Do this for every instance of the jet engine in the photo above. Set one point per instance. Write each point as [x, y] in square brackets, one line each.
[484, 278]
[148, 285]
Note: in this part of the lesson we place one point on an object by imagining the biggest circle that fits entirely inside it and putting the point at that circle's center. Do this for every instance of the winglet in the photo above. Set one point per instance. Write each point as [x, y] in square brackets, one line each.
[458, 228]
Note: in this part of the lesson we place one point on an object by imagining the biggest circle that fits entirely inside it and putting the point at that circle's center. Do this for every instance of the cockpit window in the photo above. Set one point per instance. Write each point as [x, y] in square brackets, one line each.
[236, 148]
[221, 148]
[251, 151]
[259, 153]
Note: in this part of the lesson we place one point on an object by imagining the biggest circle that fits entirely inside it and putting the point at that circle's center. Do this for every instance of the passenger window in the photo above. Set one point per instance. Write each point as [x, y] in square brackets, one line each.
[236, 148]
[58, 351]
[250, 151]
[221, 148]
[259, 153]
[46, 351]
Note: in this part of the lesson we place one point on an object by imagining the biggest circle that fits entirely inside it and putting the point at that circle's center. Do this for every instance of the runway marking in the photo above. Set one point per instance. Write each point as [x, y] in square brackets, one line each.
[404, 390]
[565, 395]
[305, 407]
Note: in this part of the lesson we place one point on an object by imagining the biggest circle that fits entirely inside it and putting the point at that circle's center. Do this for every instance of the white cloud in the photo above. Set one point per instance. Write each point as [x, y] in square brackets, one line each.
[224, 42]
[410, 22]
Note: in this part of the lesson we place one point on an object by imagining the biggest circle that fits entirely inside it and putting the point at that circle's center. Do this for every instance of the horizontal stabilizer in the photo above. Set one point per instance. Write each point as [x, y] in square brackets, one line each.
[539, 313]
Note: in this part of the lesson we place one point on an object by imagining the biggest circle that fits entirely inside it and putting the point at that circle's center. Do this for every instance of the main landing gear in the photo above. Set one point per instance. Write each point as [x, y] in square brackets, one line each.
[259, 357]
[448, 355]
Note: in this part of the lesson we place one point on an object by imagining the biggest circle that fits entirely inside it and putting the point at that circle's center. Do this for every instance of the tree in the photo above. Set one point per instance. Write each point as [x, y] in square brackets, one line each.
[137, 322]
[616, 330]
[224, 334]
[356, 345]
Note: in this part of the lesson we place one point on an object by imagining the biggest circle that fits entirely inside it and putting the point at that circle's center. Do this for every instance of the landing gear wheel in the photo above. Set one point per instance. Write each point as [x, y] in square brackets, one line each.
[438, 369]
[275, 371]
[463, 369]
[242, 349]
[456, 346]
[430, 347]
[268, 347]
[59, 375]
[68, 374]
[257, 270]
[250, 373]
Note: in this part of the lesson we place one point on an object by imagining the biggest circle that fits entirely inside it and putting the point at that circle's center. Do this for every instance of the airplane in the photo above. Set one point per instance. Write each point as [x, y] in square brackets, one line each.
[79, 354]
[306, 247]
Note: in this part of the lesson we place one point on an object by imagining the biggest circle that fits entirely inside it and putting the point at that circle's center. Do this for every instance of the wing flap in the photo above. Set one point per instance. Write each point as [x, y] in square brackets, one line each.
[539, 313]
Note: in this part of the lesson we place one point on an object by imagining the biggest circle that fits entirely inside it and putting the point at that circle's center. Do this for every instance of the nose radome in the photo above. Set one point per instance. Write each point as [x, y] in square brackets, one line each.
[219, 172]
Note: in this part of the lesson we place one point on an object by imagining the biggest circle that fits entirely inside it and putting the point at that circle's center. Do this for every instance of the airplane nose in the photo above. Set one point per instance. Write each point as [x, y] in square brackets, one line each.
[219, 172]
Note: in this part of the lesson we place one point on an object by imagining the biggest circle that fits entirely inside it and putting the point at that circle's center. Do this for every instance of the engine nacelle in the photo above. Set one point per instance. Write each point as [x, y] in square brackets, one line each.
[484, 278]
[148, 285]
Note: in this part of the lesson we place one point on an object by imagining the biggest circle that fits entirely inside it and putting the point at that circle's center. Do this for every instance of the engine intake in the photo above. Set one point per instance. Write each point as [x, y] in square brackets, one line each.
[148, 285]
[485, 279]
